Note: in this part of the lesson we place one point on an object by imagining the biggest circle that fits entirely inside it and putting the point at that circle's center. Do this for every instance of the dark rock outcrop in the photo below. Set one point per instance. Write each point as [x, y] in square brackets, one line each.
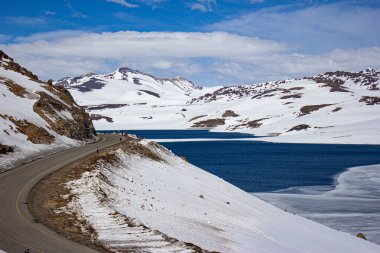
[307, 109]
[299, 127]
[370, 100]
[229, 113]
[209, 123]
[54, 104]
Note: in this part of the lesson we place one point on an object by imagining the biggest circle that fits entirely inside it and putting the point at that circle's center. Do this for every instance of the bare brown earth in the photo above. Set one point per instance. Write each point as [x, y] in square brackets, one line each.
[209, 123]
[251, 124]
[35, 134]
[307, 109]
[104, 106]
[299, 127]
[335, 84]
[229, 113]
[13, 87]
[49, 197]
[370, 100]
[5, 149]
[337, 109]
[197, 117]
[291, 96]
[99, 117]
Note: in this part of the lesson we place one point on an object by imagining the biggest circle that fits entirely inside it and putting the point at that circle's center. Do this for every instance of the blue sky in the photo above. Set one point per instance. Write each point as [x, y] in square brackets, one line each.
[208, 41]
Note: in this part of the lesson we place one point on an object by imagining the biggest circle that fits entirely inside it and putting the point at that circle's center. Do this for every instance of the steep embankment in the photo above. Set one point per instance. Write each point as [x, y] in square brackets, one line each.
[36, 116]
[140, 197]
[334, 107]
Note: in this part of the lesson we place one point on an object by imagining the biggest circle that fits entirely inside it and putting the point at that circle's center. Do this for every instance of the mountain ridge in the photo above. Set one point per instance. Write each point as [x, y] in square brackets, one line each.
[333, 107]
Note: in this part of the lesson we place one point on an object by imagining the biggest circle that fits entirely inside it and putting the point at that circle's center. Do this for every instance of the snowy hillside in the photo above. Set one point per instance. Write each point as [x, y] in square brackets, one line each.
[142, 198]
[334, 107]
[127, 87]
[36, 116]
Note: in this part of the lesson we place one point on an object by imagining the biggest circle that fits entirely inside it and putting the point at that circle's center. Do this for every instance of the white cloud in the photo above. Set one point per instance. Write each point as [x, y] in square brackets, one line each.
[49, 13]
[119, 45]
[198, 7]
[207, 58]
[319, 28]
[21, 20]
[162, 65]
[203, 5]
[74, 13]
[123, 3]
[49, 36]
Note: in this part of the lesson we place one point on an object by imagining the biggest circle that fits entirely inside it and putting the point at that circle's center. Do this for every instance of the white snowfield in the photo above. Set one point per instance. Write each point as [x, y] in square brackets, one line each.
[338, 107]
[174, 198]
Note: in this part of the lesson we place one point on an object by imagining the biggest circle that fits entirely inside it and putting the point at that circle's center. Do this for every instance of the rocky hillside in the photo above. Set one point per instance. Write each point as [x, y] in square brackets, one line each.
[36, 116]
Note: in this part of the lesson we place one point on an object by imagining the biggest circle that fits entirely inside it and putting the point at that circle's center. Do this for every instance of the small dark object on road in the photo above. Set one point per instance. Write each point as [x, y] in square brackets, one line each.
[120, 138]
[27, 251]
[97, 150]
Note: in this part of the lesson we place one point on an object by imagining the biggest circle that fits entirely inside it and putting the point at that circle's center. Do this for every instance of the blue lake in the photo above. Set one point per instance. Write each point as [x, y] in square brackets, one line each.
[181, 134]
[263, 166]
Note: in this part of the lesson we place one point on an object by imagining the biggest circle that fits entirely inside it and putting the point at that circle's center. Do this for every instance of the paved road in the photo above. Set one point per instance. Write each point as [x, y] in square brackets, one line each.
[17, 230]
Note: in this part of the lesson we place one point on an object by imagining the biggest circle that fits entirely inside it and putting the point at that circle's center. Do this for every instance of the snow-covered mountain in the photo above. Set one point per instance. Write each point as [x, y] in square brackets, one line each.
[334, 107]
[128, 87]
[140, 197]
[36, 116]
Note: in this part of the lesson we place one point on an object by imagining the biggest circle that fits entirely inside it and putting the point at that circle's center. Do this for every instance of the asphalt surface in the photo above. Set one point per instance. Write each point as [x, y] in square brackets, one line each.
[18, 231]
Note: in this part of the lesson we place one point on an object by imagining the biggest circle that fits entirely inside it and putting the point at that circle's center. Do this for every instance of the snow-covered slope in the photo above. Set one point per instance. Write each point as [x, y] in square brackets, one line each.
[128, 87]
[36, 116]
[142, 198]
[334, 107]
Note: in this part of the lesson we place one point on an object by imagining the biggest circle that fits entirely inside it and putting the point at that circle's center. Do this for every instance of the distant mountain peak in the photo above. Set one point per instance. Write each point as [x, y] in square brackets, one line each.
[127, 76]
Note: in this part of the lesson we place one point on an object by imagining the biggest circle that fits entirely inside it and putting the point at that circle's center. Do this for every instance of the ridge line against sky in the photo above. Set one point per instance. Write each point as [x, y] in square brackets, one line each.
[210, 42]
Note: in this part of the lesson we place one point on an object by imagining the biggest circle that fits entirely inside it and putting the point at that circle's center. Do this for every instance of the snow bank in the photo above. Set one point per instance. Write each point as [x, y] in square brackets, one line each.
[127, 199]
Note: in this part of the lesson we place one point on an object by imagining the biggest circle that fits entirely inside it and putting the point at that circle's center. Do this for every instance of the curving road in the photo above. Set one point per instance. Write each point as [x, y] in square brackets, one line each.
[17, 229]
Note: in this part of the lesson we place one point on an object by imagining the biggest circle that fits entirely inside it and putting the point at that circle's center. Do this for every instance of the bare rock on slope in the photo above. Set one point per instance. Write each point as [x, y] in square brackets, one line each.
[229, 113]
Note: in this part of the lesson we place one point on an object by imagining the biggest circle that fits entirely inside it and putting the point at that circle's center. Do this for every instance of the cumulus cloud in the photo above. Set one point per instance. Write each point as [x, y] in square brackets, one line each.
[318, 28]
[123, 3]
[207, 58]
